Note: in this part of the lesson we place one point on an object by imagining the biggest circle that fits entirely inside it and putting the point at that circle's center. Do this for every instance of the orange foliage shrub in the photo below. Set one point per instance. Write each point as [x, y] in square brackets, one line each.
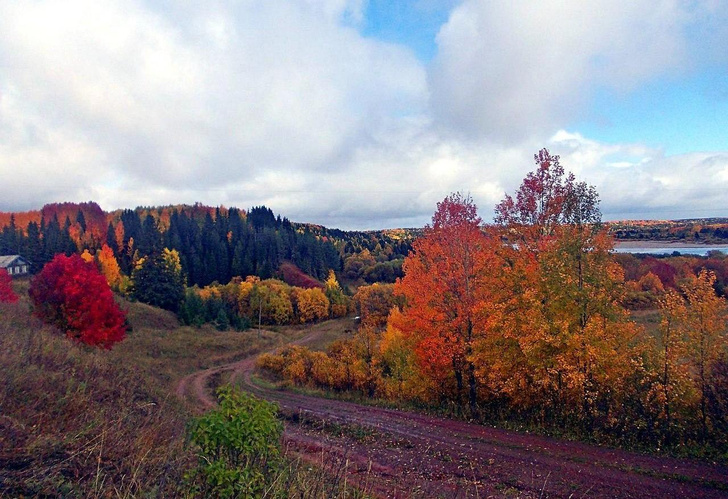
[311, 304]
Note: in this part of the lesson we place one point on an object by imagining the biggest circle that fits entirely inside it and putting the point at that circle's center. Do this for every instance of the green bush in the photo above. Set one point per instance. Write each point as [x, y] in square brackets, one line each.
[239, 447]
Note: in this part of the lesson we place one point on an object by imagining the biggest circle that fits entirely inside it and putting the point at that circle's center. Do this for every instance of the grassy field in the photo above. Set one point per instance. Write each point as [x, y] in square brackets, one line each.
[166, 351]
[83, 422]
[79, 422]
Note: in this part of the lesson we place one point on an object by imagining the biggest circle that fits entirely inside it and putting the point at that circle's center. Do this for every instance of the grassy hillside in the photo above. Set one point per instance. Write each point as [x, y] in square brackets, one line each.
[78, 422]
[82, 422]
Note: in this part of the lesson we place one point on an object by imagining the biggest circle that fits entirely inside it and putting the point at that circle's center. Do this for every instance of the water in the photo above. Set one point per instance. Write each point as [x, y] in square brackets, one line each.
[668, 249]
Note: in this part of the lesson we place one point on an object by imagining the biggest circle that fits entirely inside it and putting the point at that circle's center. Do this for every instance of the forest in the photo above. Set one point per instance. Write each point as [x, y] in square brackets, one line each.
[214, 244]
[224, 266]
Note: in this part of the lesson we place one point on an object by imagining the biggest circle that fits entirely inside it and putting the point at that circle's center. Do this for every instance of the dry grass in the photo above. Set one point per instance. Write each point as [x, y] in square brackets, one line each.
[75, 423]
[322, 334]
[165, 351]
[81, 422]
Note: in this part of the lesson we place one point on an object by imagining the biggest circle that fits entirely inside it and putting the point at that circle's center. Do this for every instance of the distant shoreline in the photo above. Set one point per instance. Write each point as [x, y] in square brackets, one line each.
[632, 243]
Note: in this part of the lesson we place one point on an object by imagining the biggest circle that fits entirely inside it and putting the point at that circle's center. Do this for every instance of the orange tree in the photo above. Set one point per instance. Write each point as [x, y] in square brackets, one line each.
[74, 296]
[109, 266]
[451, 301]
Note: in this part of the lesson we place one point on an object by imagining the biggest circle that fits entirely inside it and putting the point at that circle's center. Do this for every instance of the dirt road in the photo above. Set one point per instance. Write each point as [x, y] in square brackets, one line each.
[403, 454]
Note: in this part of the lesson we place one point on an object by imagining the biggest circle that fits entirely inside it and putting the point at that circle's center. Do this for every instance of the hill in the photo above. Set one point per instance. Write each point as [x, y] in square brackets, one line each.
[704, 230]
[214, 243]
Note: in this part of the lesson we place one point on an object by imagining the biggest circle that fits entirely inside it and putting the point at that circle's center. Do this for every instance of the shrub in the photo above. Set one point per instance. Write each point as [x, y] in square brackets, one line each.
[7, 295]
[74, 296]
[239, 446]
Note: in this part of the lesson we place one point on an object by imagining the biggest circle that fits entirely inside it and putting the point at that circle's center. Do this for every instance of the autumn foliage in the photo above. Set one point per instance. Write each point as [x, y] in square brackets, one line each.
[74, 296]
[109, 267]
[294, 276]
[373, 304]
[450, 291]
[7, 295]
[525, 320]
[311, 304]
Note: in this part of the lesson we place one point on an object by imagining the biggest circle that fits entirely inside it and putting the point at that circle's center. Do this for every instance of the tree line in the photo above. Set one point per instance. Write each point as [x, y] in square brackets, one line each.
[214, 244]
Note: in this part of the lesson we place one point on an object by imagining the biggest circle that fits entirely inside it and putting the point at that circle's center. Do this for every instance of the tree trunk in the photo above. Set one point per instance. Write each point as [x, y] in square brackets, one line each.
[666, 391]
[473, 390]
[260, 313]
[458, 382]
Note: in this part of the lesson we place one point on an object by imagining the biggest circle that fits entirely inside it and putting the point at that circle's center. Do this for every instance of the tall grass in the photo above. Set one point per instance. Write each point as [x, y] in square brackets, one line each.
[81, 422]
[75, 423]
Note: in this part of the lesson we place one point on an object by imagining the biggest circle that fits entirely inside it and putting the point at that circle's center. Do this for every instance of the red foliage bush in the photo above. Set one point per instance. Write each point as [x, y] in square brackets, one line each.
[7, 295]
[293, 276]
[74, 296]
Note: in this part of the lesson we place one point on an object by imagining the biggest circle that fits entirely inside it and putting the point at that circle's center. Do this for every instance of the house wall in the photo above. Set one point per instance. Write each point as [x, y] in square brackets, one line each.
[18, 270]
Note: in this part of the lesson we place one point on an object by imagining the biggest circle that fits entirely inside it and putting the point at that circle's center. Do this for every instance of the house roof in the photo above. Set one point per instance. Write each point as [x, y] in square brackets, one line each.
[7, 260]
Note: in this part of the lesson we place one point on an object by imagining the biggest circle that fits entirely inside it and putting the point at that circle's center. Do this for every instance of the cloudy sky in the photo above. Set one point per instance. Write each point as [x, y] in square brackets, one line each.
[362, 114]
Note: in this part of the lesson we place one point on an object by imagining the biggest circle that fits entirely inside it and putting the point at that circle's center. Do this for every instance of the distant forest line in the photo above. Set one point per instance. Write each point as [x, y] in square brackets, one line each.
[218, 243]
[703, 230]
[214, 243]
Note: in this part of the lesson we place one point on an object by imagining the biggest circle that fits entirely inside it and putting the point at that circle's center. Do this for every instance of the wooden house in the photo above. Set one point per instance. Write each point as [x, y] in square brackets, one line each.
[16, 265]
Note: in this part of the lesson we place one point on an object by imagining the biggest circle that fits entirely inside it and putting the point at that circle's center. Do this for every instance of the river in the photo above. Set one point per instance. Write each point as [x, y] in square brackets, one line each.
[667, 248]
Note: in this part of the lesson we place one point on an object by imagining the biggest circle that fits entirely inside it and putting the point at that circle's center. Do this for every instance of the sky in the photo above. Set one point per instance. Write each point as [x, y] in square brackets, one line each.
[362, 114]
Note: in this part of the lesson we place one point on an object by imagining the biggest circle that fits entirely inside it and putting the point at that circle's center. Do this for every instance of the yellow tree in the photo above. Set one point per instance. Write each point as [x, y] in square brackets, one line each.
[339, 302]
[672, 348]
[373, 304]
[366, 348]
[400, 376]
[109, 266]
[573, 334]
[312, 304]
[87, 256]
[344, 354]
[705, 324]
[270, 300]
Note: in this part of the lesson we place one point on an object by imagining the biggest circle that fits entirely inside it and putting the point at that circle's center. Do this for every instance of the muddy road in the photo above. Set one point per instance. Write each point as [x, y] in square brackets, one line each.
[393, 453]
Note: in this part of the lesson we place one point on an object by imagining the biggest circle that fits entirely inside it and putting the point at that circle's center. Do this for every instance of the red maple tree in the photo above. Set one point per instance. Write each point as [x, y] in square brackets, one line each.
[7, 295]
[74, 296]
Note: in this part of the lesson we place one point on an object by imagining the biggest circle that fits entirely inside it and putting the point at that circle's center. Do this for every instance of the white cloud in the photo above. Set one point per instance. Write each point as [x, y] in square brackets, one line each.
[635, 181]
[211, 96]
[506, 70]
[133, 102]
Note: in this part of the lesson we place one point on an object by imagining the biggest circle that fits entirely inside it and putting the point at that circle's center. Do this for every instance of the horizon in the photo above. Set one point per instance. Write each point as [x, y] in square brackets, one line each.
[719, 219]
